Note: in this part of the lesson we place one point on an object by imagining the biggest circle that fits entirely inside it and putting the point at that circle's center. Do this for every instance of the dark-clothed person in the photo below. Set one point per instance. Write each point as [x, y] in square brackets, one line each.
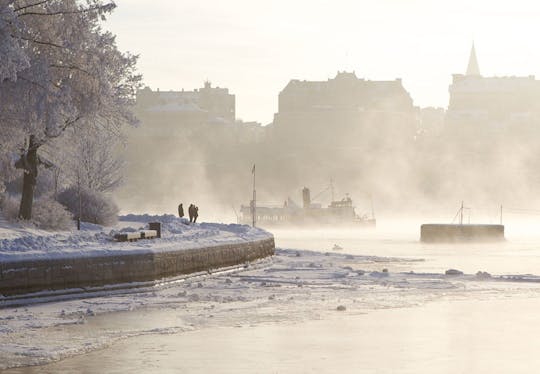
[190, 212]
[180, 211]
[195, 213]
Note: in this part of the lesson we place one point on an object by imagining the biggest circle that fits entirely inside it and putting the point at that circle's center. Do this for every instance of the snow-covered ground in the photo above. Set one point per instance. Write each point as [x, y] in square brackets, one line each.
[293, 286]
[20, 242]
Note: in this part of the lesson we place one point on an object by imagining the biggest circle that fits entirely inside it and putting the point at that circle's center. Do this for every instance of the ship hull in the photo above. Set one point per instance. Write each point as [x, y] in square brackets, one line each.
[367, 223]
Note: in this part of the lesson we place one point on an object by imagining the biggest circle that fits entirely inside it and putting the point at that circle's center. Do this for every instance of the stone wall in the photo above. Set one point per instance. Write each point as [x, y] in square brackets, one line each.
[29, 276]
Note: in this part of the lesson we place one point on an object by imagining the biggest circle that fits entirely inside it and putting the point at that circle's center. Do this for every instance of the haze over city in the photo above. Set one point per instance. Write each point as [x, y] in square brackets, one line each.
[255, 47]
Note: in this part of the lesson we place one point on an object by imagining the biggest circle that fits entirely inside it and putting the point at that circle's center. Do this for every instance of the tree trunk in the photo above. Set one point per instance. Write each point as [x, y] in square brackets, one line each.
[29, 181]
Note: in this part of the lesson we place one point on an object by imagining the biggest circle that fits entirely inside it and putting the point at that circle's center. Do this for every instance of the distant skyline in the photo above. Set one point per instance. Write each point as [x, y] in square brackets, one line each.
[255, 47]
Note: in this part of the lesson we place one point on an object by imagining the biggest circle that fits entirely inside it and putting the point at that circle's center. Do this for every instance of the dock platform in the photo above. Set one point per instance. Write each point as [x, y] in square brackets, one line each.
[459, 233]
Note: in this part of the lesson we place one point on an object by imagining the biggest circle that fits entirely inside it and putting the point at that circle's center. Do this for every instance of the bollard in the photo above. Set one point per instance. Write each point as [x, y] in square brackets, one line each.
[155, 226]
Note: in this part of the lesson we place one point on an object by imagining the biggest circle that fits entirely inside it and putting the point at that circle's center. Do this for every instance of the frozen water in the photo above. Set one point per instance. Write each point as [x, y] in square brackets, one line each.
[282, 313]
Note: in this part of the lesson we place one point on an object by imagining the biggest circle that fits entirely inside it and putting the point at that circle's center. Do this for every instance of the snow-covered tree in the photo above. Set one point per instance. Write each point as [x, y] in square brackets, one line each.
[12, 56]
[89, 206]
[93, 158]
[58, 69]
[49, 214]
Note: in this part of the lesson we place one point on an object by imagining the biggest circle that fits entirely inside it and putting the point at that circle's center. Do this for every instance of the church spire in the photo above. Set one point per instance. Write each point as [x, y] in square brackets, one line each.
[472, 68]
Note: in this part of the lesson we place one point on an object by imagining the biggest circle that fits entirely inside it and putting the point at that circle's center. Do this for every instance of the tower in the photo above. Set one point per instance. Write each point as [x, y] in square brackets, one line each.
[472, 68]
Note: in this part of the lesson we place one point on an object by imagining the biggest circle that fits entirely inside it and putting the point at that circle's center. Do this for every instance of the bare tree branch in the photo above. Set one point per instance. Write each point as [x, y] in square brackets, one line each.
[63, 12]
[31, 5]
[41, 42]
[31, 81]
[71, 67]
[62, 128]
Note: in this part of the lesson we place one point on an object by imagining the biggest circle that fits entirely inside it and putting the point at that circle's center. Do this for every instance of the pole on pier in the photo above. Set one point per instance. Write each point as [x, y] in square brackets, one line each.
[461, 214]
[372, 209]
[501, 215]
[254, 211]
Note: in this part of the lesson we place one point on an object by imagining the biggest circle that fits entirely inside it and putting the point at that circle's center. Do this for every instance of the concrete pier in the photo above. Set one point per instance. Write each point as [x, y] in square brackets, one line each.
[458, 233]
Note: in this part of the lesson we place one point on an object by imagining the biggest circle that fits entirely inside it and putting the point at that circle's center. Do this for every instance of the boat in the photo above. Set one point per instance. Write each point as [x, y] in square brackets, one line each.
[338, 212]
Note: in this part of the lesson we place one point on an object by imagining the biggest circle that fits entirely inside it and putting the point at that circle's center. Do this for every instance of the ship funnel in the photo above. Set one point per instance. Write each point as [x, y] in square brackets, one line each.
[306, 196]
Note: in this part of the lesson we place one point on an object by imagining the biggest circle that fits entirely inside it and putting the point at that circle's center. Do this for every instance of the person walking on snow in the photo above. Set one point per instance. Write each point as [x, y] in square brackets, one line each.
[195, 213]
[180, 211]
[190, 212]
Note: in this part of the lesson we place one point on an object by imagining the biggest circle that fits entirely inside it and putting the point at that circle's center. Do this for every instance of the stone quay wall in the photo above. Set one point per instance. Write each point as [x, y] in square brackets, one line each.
[20, 277]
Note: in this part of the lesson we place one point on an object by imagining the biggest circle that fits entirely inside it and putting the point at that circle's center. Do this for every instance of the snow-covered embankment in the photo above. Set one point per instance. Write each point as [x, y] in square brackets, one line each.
[33, 262]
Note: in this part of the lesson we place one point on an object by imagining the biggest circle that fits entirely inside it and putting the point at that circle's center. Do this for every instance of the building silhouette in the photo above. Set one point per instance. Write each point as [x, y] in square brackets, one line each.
[343, 110]
[207, 112]
[206, 102]
[492, 104]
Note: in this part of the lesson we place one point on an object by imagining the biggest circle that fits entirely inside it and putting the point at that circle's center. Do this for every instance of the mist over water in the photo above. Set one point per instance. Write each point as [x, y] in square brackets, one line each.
[368, 141]
[366, 137]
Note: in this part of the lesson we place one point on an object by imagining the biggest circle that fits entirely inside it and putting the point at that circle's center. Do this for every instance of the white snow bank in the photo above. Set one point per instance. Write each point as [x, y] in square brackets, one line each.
[18, 242]
[9, 230]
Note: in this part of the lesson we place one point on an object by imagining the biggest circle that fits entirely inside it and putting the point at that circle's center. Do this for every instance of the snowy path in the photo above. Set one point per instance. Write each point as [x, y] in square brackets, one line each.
[19, 242]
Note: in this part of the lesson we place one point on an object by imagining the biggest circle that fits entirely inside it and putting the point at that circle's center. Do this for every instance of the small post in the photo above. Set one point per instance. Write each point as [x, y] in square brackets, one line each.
[461, 214]
[155, 226]
[56, 173]
[501, 216]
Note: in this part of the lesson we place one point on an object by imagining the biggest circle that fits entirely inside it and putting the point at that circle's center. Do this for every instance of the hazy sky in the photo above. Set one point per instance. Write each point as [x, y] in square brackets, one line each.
[255, 47]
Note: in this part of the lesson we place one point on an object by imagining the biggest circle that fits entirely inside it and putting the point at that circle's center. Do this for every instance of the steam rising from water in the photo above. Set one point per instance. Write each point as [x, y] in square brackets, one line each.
[365, 136]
